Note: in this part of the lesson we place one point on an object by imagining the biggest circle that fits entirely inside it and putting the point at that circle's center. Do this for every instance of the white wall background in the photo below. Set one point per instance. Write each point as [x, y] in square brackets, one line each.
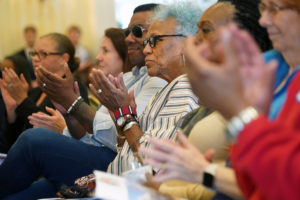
[93, 16]
[124, 8]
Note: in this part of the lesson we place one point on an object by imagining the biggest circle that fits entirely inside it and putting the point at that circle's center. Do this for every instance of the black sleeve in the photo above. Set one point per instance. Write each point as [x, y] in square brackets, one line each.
[83, 92]
[11, 131]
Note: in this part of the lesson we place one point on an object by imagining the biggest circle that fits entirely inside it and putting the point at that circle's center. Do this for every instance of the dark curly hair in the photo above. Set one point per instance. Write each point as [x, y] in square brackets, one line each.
[247, 16]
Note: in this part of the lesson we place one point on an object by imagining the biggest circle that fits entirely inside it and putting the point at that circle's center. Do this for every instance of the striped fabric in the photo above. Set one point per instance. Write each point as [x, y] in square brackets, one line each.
[159, 118]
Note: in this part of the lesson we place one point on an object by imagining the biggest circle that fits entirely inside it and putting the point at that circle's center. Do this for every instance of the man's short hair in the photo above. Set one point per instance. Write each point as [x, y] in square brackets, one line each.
[74, 28]
[30, 28]
[145, 7]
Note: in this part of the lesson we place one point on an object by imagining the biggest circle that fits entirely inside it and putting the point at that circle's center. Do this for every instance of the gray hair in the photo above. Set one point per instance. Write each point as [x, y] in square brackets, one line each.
[186, 14]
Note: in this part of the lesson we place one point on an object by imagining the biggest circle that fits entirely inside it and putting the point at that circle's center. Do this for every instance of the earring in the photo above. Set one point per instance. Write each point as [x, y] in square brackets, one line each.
[183, 60]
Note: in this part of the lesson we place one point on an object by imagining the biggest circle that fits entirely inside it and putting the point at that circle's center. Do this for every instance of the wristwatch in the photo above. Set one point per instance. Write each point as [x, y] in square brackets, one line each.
[209, 175]
[126, 110]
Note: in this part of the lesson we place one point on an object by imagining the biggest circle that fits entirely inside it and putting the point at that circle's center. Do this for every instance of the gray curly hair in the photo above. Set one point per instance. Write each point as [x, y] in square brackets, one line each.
[186, 14]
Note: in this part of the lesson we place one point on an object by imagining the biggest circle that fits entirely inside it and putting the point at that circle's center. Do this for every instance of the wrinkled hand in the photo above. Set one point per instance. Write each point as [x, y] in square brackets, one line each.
[175, 160]
[17, 87]
[55, 121]
[237, 79]
[60, 90]
[114, 92]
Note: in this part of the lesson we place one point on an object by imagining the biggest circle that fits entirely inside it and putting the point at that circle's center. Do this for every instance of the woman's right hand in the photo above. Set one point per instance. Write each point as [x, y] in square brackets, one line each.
[10, 103]
[17, 87]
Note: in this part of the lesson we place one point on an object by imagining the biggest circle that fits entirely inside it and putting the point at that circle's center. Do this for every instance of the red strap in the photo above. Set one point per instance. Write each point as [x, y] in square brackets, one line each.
[126, 110]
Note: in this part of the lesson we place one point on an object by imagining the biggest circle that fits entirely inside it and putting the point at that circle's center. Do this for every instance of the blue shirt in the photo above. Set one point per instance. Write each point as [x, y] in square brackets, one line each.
[279, 96]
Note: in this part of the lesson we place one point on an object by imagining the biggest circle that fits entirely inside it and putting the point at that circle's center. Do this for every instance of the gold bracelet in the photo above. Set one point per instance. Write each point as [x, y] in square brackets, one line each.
[135, 142]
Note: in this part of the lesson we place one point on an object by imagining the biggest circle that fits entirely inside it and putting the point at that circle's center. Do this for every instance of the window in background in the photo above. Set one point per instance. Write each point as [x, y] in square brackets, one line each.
[124, 8]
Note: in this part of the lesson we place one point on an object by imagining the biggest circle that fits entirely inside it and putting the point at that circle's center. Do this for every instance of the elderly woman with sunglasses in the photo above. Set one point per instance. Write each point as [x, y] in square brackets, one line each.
[51, 52]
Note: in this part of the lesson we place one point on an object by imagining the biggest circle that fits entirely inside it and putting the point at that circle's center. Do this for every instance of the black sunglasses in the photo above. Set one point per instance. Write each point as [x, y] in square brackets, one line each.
[136, 30]
[152, 40]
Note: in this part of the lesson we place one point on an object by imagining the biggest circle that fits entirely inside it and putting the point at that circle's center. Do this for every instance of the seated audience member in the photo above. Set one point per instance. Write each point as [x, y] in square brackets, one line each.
[209, 132]
[72, 152]
[263, 172]
[112, 59]
[18, 64]
[51, 52]
[74, 34]
[30, 35]
[100, 122]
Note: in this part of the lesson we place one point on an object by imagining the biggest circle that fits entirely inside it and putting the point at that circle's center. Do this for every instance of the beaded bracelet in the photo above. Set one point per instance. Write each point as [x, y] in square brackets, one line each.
[75, 104]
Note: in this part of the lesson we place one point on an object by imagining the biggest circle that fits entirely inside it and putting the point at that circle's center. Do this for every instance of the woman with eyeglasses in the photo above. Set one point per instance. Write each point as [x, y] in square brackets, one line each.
[112, 59]
[52, 51]
[265, 155]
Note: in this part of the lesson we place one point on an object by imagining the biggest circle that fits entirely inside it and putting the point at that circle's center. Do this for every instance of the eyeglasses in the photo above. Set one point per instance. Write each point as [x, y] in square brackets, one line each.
[136, 30]
[152, 40]
[272, 8]
[42, 55]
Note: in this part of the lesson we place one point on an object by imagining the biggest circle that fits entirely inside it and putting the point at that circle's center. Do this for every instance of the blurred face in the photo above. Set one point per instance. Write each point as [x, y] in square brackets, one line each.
[30, 38]
[74, 36]
[217, 15]
[109, 60]
[53, 63]
[282, 24]
[135, 46]
[165, 58]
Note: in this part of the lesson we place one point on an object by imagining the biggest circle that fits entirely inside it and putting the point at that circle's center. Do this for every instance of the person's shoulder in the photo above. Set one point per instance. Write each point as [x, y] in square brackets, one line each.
[20, 52]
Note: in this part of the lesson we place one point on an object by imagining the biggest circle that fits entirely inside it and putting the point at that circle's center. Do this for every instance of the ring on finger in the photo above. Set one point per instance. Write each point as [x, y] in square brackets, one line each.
[44, 85]
[99, 91]
[10, 84]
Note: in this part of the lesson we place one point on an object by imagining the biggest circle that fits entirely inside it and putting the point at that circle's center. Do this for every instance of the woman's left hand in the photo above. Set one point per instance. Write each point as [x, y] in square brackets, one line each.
[176, 160]
[113, 93]
[17, 87]
[55, 121]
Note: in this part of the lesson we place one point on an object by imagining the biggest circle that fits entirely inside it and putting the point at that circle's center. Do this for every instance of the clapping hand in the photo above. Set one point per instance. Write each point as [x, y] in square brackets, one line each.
[110, 91]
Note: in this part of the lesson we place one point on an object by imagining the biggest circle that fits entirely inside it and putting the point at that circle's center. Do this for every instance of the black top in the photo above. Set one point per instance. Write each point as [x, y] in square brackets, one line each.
[12, 131]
